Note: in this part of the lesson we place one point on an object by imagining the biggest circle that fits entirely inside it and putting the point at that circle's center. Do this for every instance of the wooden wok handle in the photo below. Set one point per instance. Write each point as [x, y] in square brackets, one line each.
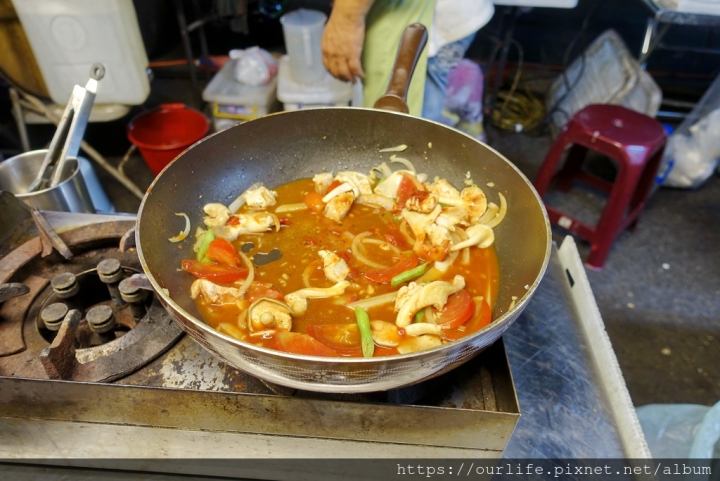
[411, 45]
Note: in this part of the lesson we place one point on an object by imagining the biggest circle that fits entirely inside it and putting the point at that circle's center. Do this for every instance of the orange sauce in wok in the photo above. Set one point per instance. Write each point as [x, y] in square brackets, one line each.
[305, 232]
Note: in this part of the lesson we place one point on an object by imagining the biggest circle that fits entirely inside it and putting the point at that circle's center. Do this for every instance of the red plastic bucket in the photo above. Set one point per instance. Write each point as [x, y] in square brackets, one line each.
[162, 134]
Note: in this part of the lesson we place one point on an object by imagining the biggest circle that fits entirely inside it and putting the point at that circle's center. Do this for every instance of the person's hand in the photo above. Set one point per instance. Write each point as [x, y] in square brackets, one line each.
[342, 45]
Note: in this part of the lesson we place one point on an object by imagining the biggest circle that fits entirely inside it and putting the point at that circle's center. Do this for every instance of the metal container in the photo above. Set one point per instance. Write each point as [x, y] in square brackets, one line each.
[70, 195]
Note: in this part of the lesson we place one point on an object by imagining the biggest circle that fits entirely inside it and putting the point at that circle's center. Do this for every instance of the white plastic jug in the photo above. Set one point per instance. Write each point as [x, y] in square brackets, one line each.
[67, 37]
[303, 31]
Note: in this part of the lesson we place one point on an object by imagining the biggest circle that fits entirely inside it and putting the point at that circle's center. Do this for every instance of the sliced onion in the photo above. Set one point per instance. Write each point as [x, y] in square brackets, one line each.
[381, 243]
[291, 207]
[356, 245]
[490, 213]
[276, 220]
[405, 233]
[466, 251]
[182, 235]
[199, 234]
[405, 162]
[251, 275]
[445, 264]
[307, 272]
[430, 315]
[344, 187]
[501, 214]
[240, 201]
[348, 235]
[376, 200]
[397, 148]
[384, 170]
[371, 302]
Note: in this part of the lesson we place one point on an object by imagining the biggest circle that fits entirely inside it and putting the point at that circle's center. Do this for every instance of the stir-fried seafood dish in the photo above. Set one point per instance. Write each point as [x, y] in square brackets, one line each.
[349, 264]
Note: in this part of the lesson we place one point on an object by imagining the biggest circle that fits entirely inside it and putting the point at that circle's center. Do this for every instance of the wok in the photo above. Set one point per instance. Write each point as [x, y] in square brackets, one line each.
[282, 147]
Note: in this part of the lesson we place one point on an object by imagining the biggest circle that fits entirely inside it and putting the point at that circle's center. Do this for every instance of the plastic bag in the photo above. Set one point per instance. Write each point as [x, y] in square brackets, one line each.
[695, 154]
[463, 99]
[253, 66]
[680, 430]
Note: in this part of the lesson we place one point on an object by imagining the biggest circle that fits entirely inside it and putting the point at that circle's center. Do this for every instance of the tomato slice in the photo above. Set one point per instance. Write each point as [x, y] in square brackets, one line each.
[258, 290]
[481, 318]
[457, 310]
[405, 190]
[300, 344]
[314, 202]
[222, 252]
[384, 276]
[342, 338]
[217, 273]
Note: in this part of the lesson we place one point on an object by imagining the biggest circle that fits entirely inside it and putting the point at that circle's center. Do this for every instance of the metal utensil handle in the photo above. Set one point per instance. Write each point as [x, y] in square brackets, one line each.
[70, 131]
[411, 46]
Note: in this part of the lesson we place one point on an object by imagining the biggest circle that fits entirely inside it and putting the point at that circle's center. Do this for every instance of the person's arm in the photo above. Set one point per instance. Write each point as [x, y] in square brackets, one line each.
[343, 38]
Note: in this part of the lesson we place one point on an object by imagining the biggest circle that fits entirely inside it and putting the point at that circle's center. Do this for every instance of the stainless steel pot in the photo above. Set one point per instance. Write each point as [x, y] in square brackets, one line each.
[70, 195]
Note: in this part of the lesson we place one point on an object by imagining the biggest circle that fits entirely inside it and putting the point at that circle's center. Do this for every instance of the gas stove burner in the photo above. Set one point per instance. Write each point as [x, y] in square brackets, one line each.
[82, 318]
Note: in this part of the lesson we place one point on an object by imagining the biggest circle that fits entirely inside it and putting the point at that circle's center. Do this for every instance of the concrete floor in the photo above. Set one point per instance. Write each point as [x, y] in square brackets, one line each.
[659, 293]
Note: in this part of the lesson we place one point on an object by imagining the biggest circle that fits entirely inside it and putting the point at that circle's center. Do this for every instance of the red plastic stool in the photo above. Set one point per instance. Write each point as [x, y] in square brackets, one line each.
[633, 140]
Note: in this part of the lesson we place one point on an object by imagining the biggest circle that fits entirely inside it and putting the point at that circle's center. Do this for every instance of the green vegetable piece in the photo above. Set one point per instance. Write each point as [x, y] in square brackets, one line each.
[409, 274]
[208, 237]
[366, 340]
[419, 316]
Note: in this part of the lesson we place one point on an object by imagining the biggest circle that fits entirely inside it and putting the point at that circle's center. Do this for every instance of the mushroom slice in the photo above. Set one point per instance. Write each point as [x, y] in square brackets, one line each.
[478, 235]
[266, 313]
[214, 293]
[298, 300]
[335, 268]
[433, 294]
[385, 334]
[421, 328]
[217, 214]
[420, 343]
[338, 207]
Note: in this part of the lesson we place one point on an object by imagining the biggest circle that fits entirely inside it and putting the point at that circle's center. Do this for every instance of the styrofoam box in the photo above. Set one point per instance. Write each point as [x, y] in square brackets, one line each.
[233, 102]
[326, 93]
[68, 37]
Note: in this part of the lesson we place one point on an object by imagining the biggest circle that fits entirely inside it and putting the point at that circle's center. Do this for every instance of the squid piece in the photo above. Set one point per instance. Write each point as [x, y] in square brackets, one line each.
[419, 222]
[385, 334]
[421, 328]
[419, 343]
[214, 293]
[246, 224]
[269, 315]
[438, 235]
[217, 215]
[478, 235]
[322, 181]
[335, 268]
[447, 194]
[298, 300]
[339, 206]
[360, 183]
[452, 216]
[433, 294]
[260, 197]
[423, 204]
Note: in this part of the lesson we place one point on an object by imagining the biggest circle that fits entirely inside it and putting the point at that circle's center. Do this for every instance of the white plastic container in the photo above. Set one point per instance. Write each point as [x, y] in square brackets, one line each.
[233, 102]
[328, 92]
[303, 31]
[67, 37]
